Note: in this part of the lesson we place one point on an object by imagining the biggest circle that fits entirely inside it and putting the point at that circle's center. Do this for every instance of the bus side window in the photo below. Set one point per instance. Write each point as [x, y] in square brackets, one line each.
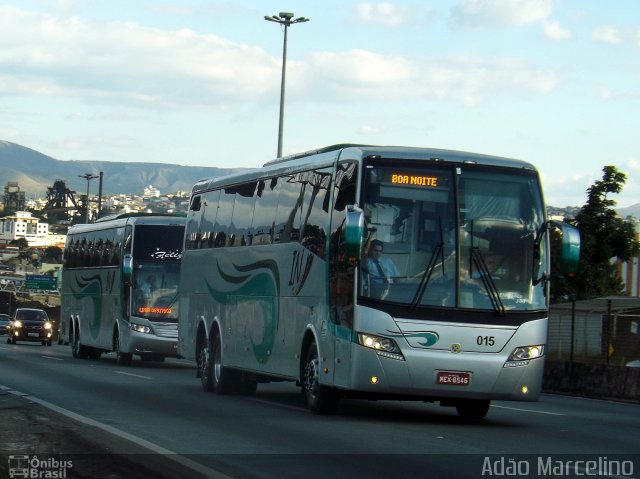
[315, 210]
[206, 228]
[223, 219]
[287, 224]
[265, 211]
[243, 210]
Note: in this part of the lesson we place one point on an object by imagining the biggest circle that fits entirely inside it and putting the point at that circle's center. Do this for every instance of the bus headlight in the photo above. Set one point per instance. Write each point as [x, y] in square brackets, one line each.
[523, 353]
[140, 328]
[385, 347]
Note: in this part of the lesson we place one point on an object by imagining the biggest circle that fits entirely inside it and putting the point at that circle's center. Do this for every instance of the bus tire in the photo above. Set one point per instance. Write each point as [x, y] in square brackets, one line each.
[473, 409]
[79, 351]
[205, 370]
[123, 359]
[221, 377]
[320, 399]
[72, 341]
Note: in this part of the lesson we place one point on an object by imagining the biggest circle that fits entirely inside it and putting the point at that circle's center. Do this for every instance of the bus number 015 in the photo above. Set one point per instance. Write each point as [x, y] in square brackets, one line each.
[486, 340]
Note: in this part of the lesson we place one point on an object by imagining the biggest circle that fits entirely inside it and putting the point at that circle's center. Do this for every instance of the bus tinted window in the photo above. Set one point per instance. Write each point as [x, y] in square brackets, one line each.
[240, 230]
[287, 224]
[207, 228]
[265, 211]
[223, 219]
[315, 209]
[157, 243]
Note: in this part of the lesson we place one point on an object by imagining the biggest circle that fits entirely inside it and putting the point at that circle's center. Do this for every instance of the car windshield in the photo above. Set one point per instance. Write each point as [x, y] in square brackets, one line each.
[463, 236]
[31, 315]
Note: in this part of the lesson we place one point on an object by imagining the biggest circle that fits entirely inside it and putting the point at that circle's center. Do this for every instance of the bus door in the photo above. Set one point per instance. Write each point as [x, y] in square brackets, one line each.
[341, 273]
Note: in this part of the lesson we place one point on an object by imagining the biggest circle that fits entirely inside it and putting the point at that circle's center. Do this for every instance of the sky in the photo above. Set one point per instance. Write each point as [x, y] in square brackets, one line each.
[197, 82]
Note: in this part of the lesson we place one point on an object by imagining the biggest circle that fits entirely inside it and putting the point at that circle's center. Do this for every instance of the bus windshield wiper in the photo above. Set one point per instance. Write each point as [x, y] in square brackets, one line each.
[438, 251]
[487, 280]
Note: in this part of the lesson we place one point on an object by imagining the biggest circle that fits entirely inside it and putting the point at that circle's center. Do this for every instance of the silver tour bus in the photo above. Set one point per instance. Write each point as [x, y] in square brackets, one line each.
[372, 272]
[120, 287]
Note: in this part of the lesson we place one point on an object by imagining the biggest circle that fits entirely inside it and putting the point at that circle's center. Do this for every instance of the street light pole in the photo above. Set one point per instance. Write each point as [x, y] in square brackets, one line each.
[88, 177]
[285, 19]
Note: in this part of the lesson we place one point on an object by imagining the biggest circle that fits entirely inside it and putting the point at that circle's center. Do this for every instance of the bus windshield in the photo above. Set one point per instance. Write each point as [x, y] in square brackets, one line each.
[460, 236]
[156, 290]
[157, 250]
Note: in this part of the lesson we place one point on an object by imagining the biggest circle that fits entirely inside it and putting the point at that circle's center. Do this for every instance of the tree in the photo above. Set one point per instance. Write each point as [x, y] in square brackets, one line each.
[603, 236]
[53, 254]
[21, 243]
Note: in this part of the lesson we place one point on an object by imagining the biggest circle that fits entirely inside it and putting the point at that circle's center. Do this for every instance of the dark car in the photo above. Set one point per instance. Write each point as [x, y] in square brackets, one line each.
[30, 325]
[5, 319]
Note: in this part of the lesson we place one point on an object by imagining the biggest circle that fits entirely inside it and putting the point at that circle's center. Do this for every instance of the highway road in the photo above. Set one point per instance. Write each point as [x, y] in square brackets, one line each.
[161, 408]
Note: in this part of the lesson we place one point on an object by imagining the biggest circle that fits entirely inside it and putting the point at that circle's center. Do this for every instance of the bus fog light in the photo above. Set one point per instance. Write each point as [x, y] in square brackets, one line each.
[385, 347]
[523, 353]
[140, 328]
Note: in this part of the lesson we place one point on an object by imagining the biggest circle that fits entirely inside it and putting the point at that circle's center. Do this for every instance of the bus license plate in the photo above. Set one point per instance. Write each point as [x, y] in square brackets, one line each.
[454, 379]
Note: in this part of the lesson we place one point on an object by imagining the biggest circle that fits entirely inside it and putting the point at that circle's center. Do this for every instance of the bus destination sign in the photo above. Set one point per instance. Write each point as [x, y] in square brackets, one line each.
[414, 180]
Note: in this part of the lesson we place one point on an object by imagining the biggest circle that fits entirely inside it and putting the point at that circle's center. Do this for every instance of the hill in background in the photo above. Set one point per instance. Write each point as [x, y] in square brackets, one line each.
[35, 172]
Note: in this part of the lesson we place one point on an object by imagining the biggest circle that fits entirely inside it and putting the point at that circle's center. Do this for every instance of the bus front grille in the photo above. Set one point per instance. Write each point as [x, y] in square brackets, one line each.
[166, 330]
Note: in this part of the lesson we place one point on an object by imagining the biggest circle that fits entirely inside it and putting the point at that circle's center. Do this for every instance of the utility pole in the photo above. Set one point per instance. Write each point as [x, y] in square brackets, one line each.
[88, 177]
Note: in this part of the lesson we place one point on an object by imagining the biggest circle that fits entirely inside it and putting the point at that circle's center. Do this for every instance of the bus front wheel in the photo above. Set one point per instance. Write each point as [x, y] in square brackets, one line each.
[123, 359]
[320, 399]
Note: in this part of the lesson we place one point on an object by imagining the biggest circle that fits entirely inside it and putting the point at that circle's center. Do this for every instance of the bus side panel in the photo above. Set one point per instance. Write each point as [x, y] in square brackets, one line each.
[195, 302]
[265, 298]
[90, 296]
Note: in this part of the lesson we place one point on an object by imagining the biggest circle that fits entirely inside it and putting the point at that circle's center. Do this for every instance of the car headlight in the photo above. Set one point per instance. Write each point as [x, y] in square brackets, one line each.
[523, 353]
[385, 347]
[47, 325]
[140, 328]
[17, 324]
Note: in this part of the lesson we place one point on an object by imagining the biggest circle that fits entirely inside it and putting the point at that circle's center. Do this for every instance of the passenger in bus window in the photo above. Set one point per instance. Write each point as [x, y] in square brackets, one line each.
[380, 271]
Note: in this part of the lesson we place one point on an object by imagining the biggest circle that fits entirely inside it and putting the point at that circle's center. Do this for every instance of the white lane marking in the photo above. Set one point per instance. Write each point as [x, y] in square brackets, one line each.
[52, 357]
[168, 454]
[529, 410]
[272, 403]
[133, 375]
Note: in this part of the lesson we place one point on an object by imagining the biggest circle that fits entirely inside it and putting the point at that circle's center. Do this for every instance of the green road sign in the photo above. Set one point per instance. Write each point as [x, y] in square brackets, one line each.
[47, 283]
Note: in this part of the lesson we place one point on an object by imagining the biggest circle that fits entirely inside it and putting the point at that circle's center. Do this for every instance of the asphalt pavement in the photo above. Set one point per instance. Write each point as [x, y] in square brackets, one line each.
[33, 437]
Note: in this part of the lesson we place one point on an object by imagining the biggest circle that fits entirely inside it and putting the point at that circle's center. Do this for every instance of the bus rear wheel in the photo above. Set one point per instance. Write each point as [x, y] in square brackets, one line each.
[79, 351]
[204, 363]
[320, 399]
[221, 377]
[473, 409]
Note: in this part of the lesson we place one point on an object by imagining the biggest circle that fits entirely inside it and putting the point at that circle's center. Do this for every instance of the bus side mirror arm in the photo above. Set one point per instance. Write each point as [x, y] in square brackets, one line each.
[354, 232]
[127, 269]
